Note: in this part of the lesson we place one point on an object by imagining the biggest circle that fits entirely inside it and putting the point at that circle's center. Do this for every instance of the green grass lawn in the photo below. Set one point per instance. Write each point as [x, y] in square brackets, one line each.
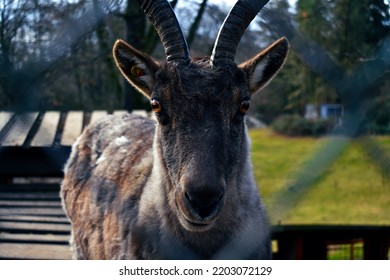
[351, 190]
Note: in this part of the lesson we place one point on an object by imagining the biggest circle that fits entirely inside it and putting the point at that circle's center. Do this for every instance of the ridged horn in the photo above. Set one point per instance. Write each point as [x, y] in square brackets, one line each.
[232, 29]
[163, 18]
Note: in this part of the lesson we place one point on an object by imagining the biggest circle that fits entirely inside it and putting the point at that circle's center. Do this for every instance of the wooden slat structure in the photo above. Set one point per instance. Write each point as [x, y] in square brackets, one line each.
[311, 242]
[97, 115]
[72, 128]
[4, 118]
[33, 224]
[47, 130]
[37, 144]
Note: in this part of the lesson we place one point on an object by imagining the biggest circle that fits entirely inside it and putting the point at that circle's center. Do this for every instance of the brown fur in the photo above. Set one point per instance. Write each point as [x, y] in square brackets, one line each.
[104, 185]
[98, 189]
[181, 187]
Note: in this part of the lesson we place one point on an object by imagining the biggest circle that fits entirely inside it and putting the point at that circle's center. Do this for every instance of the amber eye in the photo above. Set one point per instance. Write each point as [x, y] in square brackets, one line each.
[244, 107]
[156, 106]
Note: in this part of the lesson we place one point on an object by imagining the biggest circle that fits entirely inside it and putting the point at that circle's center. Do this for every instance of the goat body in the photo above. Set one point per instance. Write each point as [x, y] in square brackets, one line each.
[116, 196]
[180, 186]
[119, 205]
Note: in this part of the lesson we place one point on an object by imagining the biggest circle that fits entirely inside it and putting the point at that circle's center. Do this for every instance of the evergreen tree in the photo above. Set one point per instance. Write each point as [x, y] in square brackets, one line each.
[350, 31]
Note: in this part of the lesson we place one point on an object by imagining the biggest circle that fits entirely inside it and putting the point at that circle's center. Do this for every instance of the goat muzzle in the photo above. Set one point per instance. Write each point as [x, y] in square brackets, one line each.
[199, 206]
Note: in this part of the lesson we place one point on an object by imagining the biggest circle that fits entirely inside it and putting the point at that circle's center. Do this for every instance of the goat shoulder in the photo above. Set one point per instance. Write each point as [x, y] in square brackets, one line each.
[104, 178]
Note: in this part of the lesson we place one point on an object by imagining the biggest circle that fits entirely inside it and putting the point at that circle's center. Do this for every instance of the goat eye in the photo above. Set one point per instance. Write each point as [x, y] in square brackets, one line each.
[244, 107]
[156, 106]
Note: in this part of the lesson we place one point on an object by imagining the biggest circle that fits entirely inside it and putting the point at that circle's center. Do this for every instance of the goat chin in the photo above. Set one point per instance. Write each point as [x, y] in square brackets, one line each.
[121, 203]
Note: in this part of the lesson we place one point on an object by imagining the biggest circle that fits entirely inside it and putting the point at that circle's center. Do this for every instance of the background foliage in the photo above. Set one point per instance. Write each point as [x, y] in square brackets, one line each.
[56, 54]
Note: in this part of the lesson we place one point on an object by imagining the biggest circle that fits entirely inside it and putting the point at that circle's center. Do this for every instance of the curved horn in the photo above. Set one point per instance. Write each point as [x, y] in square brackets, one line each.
[232, 29]
[163, 18]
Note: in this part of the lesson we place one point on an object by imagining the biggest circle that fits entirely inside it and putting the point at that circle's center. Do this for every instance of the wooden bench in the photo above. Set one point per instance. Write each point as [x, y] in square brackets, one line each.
[36, 144]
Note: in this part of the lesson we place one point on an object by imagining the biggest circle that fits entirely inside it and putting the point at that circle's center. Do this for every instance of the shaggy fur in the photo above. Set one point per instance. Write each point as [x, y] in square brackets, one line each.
[122, 179]
[180, 187]
[101, 192]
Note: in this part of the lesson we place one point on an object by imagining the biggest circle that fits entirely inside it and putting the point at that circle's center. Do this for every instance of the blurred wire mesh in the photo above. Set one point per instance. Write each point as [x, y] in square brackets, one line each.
[352, 88]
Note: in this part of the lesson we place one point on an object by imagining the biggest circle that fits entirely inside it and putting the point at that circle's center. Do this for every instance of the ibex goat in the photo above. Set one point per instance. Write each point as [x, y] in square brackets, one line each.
[181, 187]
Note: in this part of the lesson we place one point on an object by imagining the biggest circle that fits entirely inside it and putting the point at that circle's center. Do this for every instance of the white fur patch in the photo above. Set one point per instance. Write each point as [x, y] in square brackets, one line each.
[257, 74]
[120, 141]
[100, 160]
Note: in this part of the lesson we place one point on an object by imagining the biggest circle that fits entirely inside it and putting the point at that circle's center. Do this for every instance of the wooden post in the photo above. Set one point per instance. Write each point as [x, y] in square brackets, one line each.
[376, 247]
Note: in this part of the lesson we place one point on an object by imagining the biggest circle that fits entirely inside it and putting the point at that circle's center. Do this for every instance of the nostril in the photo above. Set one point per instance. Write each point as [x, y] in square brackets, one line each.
[203, 202]
[187, 196]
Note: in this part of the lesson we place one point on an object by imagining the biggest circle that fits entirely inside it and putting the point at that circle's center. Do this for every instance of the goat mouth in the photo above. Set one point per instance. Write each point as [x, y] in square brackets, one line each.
[192, 222]
[197, 224]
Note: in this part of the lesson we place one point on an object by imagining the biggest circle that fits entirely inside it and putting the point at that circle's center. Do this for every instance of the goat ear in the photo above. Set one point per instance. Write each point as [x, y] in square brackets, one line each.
[264, 66]
[138, 68]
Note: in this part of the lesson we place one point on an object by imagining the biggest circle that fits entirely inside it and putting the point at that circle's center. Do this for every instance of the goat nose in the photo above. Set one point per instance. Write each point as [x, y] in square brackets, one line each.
[204, 202]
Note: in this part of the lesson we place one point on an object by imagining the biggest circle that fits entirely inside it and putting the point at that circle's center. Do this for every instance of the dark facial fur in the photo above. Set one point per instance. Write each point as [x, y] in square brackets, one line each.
[201, 132]
[181, 187]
